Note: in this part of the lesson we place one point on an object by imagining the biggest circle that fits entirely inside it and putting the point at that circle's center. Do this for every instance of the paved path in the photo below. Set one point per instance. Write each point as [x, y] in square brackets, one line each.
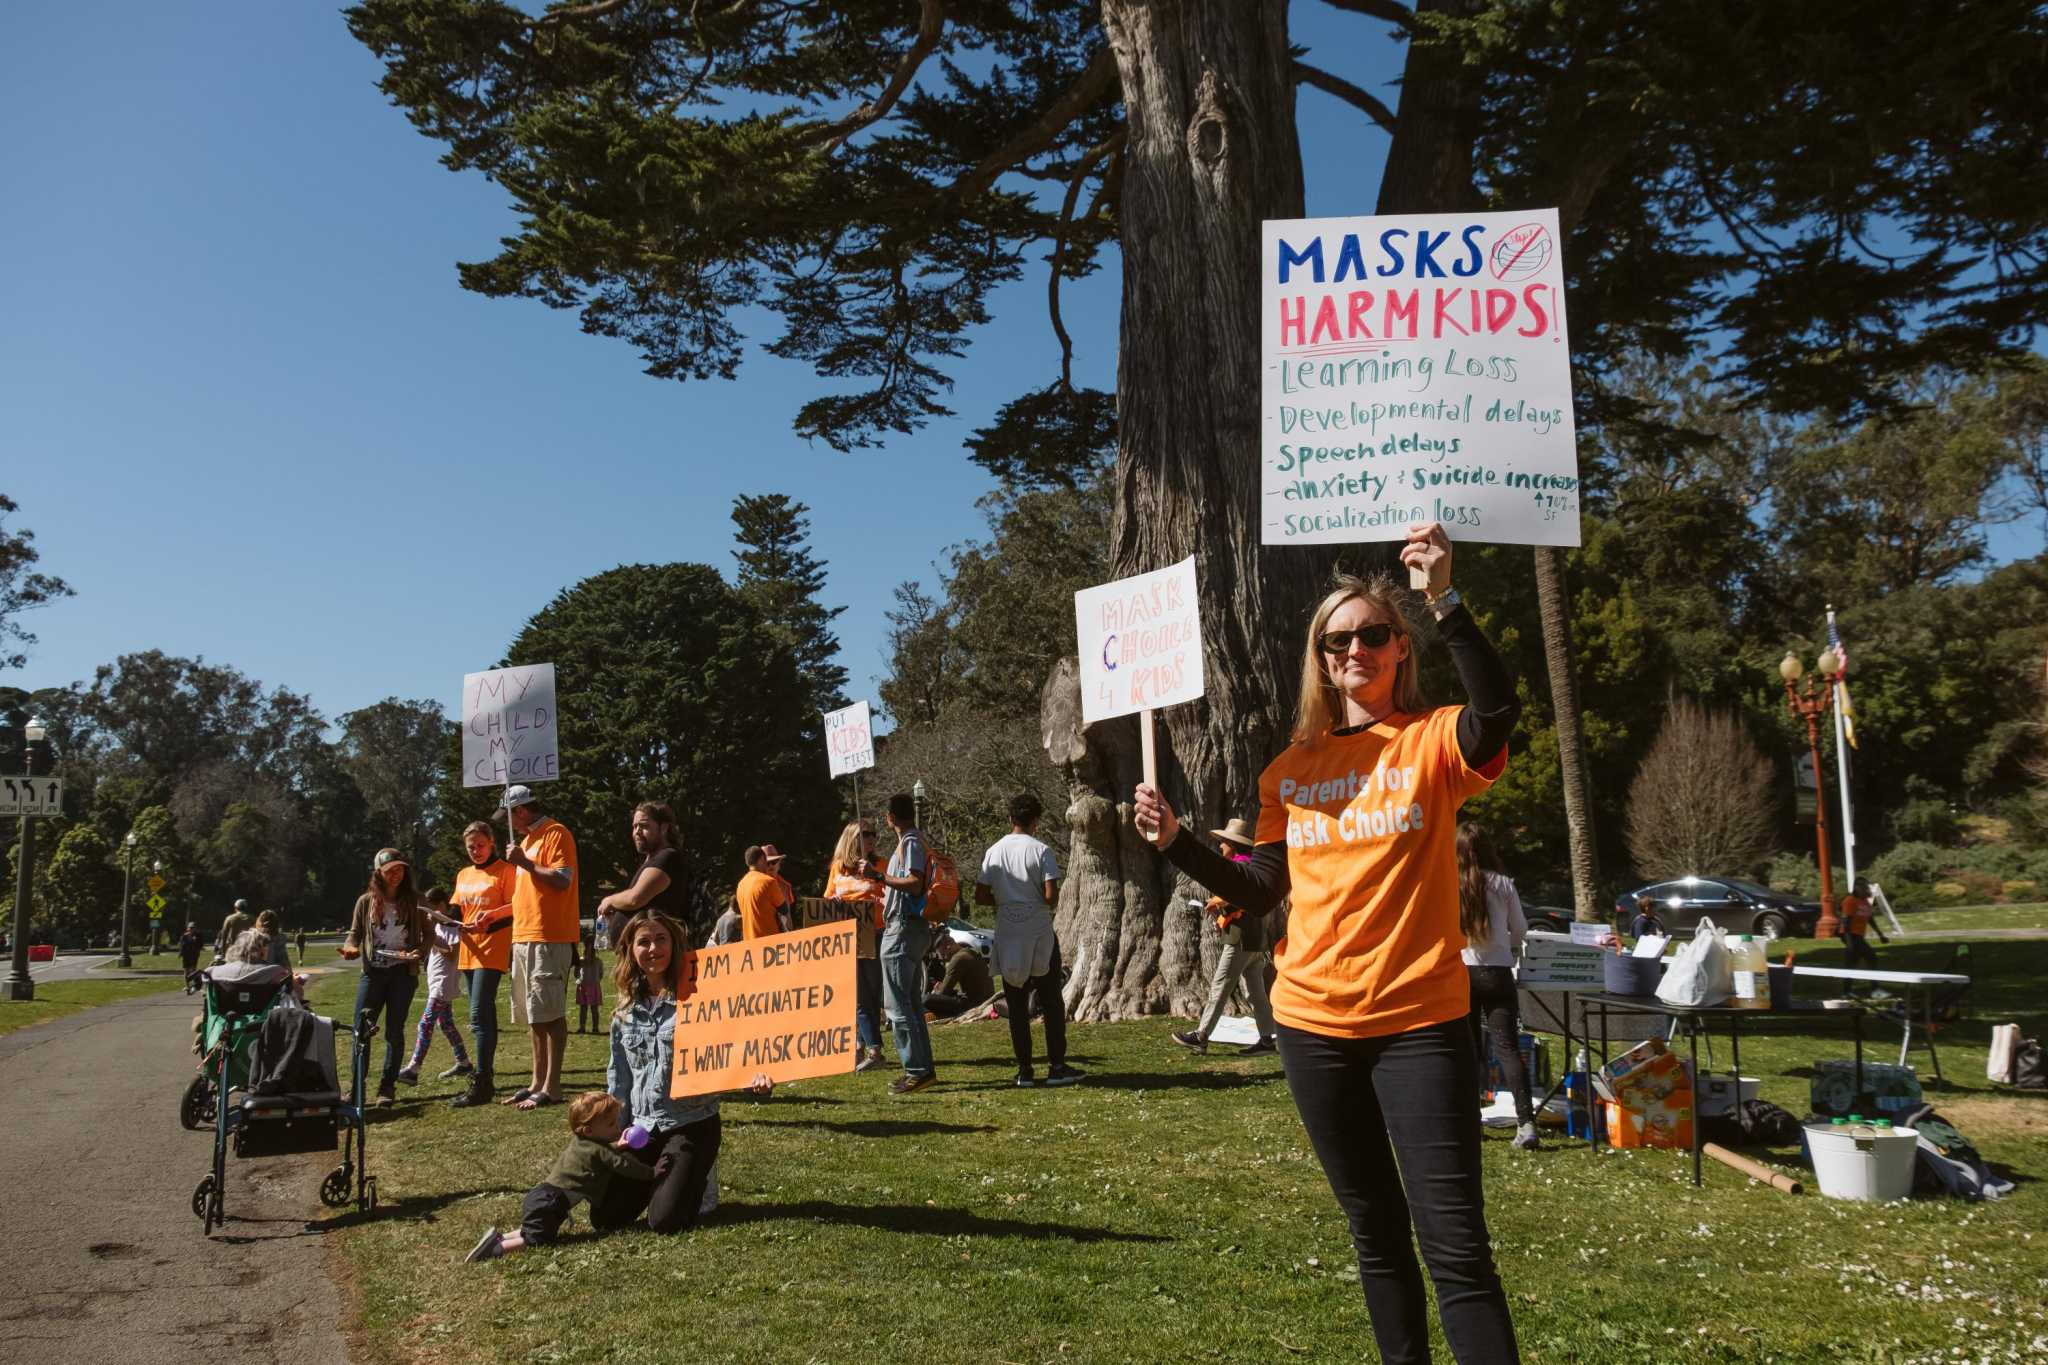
[101, 1260]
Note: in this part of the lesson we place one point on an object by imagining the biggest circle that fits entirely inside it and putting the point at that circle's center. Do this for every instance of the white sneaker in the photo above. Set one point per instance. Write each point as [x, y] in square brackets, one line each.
[489, 1247]
[1525, 1138]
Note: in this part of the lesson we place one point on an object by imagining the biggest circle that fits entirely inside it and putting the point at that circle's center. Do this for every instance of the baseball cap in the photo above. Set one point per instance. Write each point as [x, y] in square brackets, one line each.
[516, 796]
[386, 857]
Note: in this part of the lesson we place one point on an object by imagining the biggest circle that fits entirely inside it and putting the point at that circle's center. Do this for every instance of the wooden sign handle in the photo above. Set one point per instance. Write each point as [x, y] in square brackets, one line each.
[1149, 747]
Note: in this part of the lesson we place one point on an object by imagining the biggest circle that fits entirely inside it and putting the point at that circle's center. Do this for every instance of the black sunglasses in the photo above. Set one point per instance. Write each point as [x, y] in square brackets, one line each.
[1339, 641]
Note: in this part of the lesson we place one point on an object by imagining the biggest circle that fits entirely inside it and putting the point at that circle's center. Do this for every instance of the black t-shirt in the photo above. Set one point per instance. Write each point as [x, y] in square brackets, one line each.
[674, 900]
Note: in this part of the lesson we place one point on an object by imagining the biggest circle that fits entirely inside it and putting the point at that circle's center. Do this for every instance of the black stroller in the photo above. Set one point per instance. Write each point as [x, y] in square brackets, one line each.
[268, 1086]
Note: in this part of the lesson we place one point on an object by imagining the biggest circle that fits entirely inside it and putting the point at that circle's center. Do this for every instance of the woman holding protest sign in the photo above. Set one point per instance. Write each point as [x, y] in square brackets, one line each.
[1358, 824]
[685, 1134]
[853, 879]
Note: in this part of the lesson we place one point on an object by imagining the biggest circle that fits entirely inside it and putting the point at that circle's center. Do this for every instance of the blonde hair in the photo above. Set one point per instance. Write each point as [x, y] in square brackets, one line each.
[847, 853]
[589, 1107]
[1321, 708]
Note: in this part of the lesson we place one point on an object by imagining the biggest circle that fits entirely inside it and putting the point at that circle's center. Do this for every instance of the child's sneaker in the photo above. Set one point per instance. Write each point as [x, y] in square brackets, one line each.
[870, 1058]
[489, 1247]
[410, 1075]
[1064, 1075]
[1525, 1138]
[459, 1069]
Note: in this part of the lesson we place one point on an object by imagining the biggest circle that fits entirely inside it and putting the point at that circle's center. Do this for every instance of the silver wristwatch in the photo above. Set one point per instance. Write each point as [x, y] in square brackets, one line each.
[1444, 603]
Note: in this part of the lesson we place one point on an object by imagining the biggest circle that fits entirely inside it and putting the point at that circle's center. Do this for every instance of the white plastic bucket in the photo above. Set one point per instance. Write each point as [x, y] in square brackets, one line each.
[1858, 1161]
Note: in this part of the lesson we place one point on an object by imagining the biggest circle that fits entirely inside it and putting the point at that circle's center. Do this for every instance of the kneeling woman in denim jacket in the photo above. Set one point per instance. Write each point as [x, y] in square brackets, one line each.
[686, 1133]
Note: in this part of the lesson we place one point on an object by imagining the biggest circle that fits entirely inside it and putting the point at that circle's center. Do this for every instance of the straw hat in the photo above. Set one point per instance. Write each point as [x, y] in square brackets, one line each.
[1238, 832]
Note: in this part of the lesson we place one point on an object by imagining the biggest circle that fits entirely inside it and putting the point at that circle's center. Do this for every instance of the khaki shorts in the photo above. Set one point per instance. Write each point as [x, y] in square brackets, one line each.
[540, 982]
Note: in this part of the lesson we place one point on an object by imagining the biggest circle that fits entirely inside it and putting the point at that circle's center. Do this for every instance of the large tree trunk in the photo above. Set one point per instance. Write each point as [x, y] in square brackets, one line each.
[1212, 152]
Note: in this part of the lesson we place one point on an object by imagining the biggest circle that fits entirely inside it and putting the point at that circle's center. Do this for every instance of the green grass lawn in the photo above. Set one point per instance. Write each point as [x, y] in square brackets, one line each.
[1963, 918]
[1168, 1210]
[55, 999]
[318, 953]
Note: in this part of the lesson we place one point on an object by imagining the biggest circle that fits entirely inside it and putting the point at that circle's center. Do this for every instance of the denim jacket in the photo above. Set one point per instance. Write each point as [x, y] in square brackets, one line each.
[643, 1059]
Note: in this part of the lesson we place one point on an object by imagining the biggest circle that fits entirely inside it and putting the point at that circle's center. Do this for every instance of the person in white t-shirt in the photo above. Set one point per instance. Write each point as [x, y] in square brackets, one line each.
[444, 987]
[1490, 913]
[1020, 878]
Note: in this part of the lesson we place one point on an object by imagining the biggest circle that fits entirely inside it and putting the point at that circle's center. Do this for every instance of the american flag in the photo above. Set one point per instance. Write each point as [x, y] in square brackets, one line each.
[1842, 683]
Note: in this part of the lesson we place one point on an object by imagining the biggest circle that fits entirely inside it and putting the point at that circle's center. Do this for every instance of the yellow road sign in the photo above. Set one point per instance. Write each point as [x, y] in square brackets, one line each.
[156, 904]
[155, 883]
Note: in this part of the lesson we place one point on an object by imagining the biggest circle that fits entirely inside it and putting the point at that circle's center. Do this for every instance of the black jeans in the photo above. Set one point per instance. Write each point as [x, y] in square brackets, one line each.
[1018, 998]
[682, 1159]
[1497, 1010]
[1395, 1123]
[1857, 953]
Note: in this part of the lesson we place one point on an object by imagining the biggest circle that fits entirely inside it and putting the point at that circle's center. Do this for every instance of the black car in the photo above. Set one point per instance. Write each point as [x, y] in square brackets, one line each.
[1735, 906]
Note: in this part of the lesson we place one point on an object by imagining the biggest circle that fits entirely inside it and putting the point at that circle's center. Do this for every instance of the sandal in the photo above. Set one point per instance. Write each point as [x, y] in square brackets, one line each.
[539, 1099]
[519, 1096]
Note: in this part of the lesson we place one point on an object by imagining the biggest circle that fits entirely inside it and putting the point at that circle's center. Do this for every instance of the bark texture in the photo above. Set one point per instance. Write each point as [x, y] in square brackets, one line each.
[1555, 608]
[1209, 102]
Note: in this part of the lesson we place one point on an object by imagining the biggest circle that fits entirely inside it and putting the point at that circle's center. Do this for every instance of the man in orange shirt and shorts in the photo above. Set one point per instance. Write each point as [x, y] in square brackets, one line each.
[762, 893]
[546, 926]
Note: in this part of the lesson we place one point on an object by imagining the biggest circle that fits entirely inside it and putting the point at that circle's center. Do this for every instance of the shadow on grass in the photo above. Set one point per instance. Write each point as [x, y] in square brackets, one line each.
[1139, 1080]
[417, 1208]
[874, 1128]
[921, 1219]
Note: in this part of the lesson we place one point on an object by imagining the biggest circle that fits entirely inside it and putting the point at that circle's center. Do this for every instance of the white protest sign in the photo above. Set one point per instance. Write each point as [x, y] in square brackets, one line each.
[850, 739]
[1141, 642]
[1416, 369]
[509, 730]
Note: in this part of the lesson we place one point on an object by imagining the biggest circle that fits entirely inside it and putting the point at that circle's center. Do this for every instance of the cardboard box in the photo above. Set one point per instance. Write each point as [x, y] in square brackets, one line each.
[1653, 1088]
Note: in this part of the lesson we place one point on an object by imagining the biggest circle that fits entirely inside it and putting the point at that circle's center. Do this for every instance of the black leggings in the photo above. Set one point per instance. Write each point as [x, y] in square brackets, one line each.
[1395, 1123]
[682, 1159]
[1497, 1011]
[1018, 998]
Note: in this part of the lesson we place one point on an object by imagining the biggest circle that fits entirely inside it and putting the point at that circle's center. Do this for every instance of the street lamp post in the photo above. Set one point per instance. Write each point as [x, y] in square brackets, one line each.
[917, 795]
[1810, 704]
[127, 885]
[20, 985]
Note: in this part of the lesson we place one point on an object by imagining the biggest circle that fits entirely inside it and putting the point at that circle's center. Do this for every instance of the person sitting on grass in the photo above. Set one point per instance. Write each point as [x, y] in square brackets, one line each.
[596, 1157]
[685, 1133]
[966, 983]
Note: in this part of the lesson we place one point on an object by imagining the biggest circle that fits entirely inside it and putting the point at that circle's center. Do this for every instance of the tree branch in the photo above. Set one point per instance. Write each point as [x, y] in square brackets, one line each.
[1346, 91]
[1109, 147]
[931, 22]
[597, 9]
[1079, 97]
[1403, 19]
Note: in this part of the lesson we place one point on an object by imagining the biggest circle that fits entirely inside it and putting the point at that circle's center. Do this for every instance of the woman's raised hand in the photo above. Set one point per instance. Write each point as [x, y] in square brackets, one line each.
[1429, 549]
[1155, 819]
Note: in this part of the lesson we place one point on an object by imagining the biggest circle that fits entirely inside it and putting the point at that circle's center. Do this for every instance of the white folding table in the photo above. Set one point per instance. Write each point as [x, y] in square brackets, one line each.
[1908, 983]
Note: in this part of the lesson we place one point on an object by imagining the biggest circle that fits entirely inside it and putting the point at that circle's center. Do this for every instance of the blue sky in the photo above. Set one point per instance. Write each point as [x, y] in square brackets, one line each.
[251, 415]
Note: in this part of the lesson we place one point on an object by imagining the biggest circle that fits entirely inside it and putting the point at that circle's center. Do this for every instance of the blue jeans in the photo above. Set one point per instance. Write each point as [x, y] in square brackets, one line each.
[867, 1014]
[904, 939]
[483, 1015]
[388, 990]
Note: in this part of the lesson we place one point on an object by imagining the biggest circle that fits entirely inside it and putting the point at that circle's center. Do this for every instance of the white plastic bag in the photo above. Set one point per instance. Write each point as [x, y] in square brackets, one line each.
[1700, 972]
[2005, 1046]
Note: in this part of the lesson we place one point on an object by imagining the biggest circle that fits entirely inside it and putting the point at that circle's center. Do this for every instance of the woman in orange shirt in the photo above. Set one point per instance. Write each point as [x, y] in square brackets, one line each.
[1358, 825]
[853, 863]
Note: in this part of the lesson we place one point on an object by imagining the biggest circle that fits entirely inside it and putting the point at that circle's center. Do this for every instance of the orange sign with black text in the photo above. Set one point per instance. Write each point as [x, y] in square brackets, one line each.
[782, 1005]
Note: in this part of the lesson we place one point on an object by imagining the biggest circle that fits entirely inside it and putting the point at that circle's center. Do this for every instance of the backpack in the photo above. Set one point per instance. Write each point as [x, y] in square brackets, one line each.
[941, 886]
[1946, 1162]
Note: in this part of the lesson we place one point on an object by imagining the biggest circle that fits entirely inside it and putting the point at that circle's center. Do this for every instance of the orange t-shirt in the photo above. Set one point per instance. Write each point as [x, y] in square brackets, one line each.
[541, 914]
[1370, 822]
[760, 895]
[479, 890]
[844, 886]
[1855, 915]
